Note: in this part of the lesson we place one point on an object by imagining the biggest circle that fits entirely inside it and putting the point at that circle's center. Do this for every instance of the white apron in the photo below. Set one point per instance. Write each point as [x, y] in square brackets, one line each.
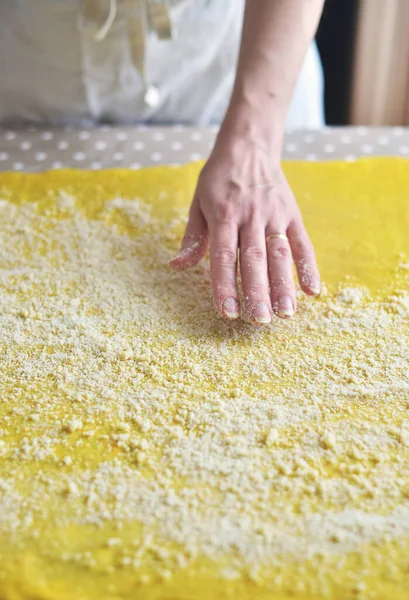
[129, 61]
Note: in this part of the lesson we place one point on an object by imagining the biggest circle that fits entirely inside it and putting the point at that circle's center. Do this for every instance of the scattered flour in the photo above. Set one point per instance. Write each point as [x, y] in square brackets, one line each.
[219, 438]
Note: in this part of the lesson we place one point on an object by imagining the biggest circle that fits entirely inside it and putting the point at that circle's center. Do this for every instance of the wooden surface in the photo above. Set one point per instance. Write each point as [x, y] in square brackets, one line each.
[380, 90]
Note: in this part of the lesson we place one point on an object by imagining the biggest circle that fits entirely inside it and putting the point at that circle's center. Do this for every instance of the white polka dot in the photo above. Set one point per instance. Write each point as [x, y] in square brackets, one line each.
[84, 135]
[367, 149]
[383, 140]
[118, 156]
[141, 127]
[25, 145]
[404, 149]
[398, 131]
[329, 148]
[195, 156]
[345, 139]
[121, 136]
[105, 128]
[177, 146]
[18, 166]
[175, 165]
[3, 156]
[62, 145]
[56, 165]
[138, 146]
[178, 128]
[311, 157]
[10, 135]
[158, 136]
[326, 130]
[95, 165]
[156, 156]
[100, 145]
[135, 166]
[350, 158]
[78, 156]
[309, 138]
[196, 136]
[291, 147]
[362, 130]
[40, 156]
[47, 135]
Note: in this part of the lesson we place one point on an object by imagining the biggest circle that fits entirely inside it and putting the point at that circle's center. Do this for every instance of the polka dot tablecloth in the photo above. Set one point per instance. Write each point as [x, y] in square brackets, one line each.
[135, 147]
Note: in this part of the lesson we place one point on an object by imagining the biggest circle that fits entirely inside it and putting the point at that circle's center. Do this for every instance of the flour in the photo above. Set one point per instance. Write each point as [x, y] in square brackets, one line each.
[289, 442]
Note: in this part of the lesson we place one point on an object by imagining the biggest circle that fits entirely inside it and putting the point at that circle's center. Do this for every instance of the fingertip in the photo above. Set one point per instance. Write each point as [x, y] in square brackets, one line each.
[185, 258]
[261, 314]
[285, 316]
[230, 309]
[179, 262]
[284, 307]
[311, 288]
[308, 277]
[177, 265]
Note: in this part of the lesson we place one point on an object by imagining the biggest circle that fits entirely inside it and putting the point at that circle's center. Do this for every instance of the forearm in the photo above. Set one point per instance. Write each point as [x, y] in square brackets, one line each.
[276, 36]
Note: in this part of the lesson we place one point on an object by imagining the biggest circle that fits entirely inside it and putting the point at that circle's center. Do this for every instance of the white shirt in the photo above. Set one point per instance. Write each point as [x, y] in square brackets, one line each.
[53, 69]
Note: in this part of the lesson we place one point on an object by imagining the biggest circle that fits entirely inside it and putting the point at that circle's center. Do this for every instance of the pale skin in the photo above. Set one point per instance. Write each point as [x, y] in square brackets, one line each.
[242, 200]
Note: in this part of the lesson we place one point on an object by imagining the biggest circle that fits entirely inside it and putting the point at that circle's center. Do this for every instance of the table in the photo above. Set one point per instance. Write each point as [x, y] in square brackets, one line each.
[298, 430]
[135, 147]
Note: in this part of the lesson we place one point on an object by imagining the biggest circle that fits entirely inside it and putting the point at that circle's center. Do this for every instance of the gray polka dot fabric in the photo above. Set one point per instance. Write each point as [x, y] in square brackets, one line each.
[136, 147]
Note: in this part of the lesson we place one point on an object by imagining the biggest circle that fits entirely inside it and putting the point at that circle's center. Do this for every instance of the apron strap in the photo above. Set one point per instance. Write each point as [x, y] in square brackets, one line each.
[159, 19]
[143, 17]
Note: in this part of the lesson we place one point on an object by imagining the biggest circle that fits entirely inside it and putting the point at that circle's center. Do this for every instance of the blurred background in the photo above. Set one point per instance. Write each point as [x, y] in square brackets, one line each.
[364, 47]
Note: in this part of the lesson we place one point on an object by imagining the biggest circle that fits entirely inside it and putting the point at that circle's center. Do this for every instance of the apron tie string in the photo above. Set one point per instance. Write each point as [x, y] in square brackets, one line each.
[103, 32]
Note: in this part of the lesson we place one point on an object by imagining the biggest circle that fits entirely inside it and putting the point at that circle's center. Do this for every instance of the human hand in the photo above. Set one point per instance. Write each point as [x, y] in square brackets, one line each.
[245, 209]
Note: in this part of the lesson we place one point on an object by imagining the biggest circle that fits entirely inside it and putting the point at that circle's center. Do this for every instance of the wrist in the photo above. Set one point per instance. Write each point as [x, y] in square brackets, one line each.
[262, 124]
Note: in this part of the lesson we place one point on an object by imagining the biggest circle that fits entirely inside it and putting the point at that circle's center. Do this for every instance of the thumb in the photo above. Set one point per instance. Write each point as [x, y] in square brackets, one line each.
[194, 243]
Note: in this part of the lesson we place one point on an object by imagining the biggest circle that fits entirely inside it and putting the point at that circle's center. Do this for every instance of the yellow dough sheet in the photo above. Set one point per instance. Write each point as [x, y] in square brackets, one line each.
[150, 450]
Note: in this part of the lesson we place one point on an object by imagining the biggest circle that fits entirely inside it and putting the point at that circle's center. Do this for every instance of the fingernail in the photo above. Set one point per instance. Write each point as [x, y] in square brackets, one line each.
[231, 308]
[285, 307]
[315, 291]
[262, 313]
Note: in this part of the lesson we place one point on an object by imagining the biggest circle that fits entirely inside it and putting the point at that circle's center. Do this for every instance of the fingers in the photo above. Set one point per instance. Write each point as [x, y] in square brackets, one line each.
[194, 243]
[265, 265]
[223, 268]
[304, 258]
[253, 268]
[280, 271]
